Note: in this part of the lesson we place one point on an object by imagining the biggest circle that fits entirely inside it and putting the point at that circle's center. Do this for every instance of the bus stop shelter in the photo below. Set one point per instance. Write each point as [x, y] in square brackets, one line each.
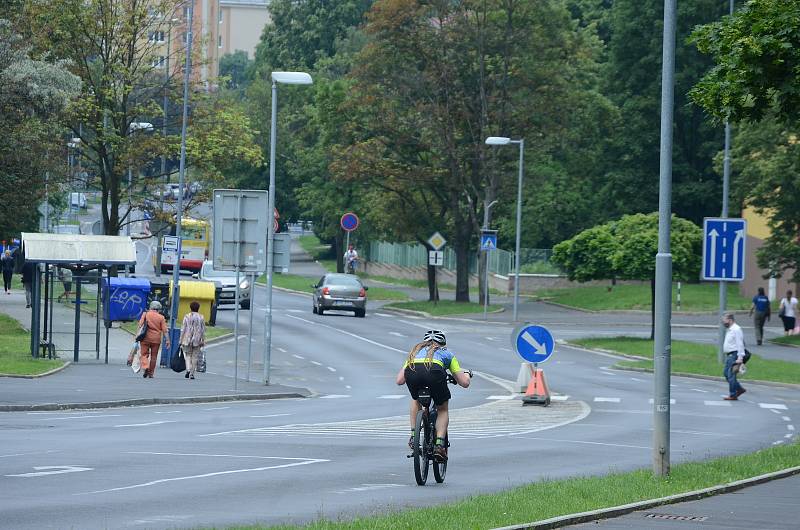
[87, 257]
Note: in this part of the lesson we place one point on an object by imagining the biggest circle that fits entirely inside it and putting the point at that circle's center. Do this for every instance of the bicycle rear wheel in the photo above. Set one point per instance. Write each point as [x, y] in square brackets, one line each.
[421, 442]
[440, 468]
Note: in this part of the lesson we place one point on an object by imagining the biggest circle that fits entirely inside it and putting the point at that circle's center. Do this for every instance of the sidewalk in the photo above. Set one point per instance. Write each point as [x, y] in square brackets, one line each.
[93, 384]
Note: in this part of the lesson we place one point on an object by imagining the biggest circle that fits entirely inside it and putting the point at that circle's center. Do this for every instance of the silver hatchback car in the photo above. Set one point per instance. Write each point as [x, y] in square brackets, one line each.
[340, 292]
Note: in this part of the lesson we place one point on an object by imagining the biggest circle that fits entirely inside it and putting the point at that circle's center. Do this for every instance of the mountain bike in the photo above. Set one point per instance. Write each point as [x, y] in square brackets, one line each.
[425, 438]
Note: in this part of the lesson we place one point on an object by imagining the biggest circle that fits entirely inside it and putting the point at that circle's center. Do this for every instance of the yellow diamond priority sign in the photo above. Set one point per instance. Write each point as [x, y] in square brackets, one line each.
[437, 241]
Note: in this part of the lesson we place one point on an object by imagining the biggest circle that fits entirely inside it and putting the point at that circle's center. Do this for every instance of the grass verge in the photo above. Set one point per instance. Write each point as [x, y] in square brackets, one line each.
[319, 251]
[791, 340]
[443, 307]
[15, 351]
[212, 332]
[694, 297]
[691, 358]
[551, 498]
[422, 284]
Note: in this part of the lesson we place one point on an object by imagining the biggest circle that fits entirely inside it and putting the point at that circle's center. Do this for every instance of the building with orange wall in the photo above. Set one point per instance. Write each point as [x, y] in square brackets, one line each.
[757, 232]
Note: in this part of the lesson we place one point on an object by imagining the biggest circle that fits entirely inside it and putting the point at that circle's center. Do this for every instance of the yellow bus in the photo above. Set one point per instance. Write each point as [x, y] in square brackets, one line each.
[195, 238]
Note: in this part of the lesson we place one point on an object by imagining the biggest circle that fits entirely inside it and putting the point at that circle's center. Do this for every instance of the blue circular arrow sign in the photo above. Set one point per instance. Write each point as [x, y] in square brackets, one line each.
[533, 343]
[349, 222]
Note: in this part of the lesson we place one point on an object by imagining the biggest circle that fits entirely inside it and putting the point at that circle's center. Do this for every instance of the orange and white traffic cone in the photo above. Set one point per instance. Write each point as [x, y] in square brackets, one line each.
[537, 392]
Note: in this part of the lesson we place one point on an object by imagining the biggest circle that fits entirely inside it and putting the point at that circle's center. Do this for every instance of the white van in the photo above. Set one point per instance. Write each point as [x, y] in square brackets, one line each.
[77, 200]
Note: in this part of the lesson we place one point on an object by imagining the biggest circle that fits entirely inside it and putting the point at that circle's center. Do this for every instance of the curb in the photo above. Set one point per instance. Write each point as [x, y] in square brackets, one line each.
[782, 344]
[633, 311]
[149, 401]
[284, 289]
[35, 376]
[616, 511]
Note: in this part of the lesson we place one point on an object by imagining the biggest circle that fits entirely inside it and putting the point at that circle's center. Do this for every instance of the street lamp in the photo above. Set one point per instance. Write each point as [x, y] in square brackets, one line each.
[501, 140]
[286, 78]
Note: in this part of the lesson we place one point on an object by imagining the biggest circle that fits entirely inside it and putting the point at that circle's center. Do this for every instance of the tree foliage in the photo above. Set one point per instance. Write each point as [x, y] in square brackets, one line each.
[33, 92]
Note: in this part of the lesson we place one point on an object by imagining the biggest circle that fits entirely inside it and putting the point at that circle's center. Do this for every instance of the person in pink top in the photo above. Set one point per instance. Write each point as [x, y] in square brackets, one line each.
[193, 338]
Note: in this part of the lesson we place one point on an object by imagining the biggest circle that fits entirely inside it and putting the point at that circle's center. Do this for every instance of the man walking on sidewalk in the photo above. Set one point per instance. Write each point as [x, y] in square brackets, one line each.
[762, 313]
[733, 346]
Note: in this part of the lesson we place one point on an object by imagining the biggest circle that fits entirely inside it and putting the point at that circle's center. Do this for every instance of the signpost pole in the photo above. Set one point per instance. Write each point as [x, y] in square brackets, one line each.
[486, 284]
[252, 281]
[238, 233]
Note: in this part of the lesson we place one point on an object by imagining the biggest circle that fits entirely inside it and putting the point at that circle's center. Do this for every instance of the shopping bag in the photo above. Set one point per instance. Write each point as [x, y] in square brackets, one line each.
[178, 362]
[136, 362]
[201, 362]
[132, 353]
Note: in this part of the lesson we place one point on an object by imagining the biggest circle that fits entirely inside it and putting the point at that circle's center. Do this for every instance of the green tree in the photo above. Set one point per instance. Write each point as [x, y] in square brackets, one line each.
[633, 83]
[236, 67]
[756, 54]
[33, 93]
[626, 249]
[112, 48]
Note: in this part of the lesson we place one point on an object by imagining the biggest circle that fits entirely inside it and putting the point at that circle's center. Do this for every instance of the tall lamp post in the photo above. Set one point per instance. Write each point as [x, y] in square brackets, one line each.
[286, 78]
[501, 140]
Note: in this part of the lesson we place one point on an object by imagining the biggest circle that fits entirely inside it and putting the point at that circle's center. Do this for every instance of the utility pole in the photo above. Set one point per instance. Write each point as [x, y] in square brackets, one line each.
[663, 304]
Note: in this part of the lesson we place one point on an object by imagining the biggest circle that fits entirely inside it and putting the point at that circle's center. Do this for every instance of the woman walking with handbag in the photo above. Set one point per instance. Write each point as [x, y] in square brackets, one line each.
[151, 342]
[193, 338]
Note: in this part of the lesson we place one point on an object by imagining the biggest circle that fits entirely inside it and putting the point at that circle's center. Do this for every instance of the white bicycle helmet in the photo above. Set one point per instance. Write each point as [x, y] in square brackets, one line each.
[435, 335]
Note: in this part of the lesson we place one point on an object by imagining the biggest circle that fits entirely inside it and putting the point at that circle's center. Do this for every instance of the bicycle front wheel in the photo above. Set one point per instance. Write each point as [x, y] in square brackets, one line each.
[440, 468]
[421, 443]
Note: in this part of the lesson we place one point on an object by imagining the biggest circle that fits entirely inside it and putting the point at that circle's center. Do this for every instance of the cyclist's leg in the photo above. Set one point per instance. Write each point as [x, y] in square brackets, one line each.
[414, 409]
[442, 420]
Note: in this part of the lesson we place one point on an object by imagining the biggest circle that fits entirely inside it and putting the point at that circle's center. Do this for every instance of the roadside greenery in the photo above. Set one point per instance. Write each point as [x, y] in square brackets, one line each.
[304, 284]
[318, 251]
[692, 358]
[791, 340]
[551, 498]
[694, 297]
[15, 351]
[443, 307]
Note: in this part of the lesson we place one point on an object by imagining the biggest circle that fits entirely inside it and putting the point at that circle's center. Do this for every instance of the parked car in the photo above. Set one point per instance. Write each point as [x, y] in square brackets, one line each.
[77, 200]
[226, 280]
[340, 292]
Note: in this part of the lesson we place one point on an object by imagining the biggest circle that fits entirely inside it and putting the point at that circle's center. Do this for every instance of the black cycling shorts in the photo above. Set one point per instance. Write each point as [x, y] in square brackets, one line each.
[434, 378]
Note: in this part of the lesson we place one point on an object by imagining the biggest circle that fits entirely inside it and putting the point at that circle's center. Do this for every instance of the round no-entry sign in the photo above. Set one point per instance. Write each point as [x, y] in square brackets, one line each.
[349, 222]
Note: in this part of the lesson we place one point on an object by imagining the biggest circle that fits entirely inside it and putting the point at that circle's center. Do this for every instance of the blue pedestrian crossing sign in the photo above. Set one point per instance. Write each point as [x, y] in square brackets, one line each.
[533, 343]
[489, 240]
[724, 249]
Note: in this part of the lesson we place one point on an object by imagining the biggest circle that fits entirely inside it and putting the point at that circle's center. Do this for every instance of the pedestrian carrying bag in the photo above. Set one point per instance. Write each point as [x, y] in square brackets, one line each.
[201, 363]
[178, 361]
[141, 333]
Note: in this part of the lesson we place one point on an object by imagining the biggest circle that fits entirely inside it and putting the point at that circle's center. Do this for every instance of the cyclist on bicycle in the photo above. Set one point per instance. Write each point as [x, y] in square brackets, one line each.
[426, 367]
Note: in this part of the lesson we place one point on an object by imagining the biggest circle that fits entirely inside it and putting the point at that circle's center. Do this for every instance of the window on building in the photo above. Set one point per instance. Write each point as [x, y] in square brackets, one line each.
[158, 61]
[219, 41]
[219, 16]
[156, 36]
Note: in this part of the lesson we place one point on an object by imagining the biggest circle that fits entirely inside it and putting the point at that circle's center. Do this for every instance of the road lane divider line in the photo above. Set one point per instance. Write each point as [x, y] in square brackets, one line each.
[331, 368]
[272, 415]
[717, 403]
[317, 363]
[298, 357]
[146, 424]
[83, 417]
[786, 418]
[773, 406]
[607, 400]
[359, 337]
[392, 396]
[208, 475]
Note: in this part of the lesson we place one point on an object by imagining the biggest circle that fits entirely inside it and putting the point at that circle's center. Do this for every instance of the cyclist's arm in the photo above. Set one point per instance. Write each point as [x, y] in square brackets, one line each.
[401, 376]
[462, 377]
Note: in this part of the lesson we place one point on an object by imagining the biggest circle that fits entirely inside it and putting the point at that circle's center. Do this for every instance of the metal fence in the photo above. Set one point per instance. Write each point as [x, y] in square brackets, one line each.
[532, 260]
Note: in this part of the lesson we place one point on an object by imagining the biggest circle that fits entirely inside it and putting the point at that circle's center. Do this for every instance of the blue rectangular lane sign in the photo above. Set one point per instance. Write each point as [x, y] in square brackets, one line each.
[724, 249]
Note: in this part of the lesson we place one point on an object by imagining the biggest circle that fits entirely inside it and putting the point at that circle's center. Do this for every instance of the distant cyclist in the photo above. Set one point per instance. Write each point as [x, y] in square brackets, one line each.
[350, 260]
[426, 366]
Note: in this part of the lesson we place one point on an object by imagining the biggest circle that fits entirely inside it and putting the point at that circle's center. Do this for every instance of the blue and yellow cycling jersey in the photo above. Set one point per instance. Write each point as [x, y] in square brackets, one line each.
[442, 356]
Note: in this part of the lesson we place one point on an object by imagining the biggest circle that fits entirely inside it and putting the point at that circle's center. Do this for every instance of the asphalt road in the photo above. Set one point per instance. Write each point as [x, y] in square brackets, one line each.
[342, 452]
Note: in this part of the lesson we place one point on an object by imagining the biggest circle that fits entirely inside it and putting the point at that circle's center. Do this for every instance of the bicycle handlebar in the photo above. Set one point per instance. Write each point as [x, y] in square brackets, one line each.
[452, 380]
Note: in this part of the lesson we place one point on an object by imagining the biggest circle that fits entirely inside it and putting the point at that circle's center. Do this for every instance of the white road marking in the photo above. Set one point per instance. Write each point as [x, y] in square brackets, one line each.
[392, 396]
[607, 373]
[217, 408]
[145, 424]
[331, 368]
[53, 470]
[559, 398]
[490, 338]
[371, 487]
[348, 387]
[582, 442]
[298, 356]
[302, 462]
[636, 379]
[786, 418]
[505, 384]
[29, 454]
[775, 411]
[790, 427]
[504, 397]
[384, 315]
[335, 396]
[717, 403]
[295, 311]
[315, 362]
[272, 415]
[671, 401]
[607, 400]
[283, 351]
[396, 334]
[788, 435]
[698, 390]
[772, 406]
[359, 337]
[168, 411]
[84, 417]
[226, 341]
[505, 349]
[341, 378]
